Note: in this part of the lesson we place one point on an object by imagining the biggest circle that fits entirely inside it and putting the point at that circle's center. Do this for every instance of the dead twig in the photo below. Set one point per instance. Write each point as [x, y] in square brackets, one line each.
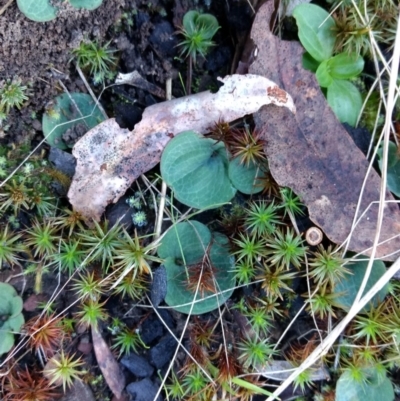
[4, 8]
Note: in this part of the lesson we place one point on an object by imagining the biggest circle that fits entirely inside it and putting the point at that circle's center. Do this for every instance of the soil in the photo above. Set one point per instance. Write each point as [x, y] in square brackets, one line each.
[39, 53]
[143, 33]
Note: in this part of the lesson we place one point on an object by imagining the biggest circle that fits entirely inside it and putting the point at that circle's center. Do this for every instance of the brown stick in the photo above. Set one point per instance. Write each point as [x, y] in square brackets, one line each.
[4, 8]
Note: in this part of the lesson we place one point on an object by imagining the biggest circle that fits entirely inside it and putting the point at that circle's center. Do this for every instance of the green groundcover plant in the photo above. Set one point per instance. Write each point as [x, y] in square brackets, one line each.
[11, 316]
[198, 30]
[203, 174]
[199, 268]
[333, 72]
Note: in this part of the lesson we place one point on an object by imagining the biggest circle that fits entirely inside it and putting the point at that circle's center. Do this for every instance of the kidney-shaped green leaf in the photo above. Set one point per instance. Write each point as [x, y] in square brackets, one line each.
[244, 177]
[189, 251]
[203, 25]
[196, 169]
[37, 10]
[62, 115]
[12, 318]
[316, 32]
[375, 388]
[348, 287]
[186, 241]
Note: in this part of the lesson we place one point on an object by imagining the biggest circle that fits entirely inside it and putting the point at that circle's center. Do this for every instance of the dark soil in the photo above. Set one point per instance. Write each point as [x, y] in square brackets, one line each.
[143, 32]
[39, 54]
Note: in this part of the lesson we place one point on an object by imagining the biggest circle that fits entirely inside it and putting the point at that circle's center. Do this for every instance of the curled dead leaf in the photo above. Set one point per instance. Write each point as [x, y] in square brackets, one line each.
[110, 158]
[312, 153]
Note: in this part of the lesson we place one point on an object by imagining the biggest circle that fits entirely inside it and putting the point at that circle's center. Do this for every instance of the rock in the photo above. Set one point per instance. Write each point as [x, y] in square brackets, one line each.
[158, 289]
[166, 318]
[33, 301]
[62, 161]
[137, 365]
[164, 39]
[79, 391]
[120, 210]
[151, 330]
[162, 353]
[143, 390]
[85, 346]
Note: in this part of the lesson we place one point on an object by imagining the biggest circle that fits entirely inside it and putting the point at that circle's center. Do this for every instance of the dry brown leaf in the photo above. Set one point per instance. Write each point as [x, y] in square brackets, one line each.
[108, 365]
[313, 154]
[110, 158]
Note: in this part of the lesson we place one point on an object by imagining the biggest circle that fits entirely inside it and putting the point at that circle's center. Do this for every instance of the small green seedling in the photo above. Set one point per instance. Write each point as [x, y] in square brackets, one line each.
[44, 10]
[198, 30]
[95, 58]
[12, 94]
[11, 318]
[199, 268]
[75, 111]
[200, 173]
[374, 387]
[393, 168]
[317, 35]
[348, 287]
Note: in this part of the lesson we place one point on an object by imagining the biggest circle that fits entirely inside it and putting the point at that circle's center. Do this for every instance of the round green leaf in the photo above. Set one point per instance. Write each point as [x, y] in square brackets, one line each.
[6, 342]
[345, 66]
[185, 241]
[348, 287]
[61, 115]
[37, 10]
[323, 74]
[88, 4]
[12, 318]
[393, 169]
[196, 169]
[180, 297]
[244, 177]
[316, 32]
[345, 100]
[373, 389]
[10, 302]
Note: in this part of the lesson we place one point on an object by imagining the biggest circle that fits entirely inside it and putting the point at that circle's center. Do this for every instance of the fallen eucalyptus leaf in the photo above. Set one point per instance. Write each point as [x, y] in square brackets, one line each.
[313, 154]
[108, 365]
[110, 158]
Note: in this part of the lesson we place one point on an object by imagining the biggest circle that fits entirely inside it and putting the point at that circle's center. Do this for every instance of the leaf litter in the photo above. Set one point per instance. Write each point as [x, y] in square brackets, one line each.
[313, 154]
[109, 367]
[307, 147]
[110, 158]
